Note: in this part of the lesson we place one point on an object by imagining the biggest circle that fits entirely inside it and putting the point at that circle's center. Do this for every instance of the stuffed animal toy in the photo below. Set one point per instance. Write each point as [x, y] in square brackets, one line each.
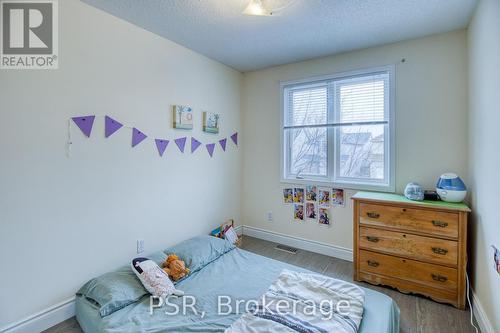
[175, 267]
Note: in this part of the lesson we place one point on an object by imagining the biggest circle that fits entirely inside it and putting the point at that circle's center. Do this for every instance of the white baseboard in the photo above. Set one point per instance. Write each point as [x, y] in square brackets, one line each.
[239, 230]
[44, 319]
[301, 243]
[481, 317]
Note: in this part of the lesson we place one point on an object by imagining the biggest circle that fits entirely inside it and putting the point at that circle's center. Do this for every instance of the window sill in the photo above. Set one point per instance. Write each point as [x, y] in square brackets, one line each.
[342, 185]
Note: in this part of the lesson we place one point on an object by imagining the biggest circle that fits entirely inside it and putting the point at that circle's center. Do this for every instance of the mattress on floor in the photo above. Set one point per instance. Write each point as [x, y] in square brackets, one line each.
[238, 274]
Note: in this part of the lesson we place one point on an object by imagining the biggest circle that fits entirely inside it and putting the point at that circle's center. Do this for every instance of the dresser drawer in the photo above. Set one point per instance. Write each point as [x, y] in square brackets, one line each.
[431, 275]
[429, 249]
[431, 222]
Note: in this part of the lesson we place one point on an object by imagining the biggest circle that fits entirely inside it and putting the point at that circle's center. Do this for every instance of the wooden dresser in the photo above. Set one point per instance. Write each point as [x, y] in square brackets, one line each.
[417, 247]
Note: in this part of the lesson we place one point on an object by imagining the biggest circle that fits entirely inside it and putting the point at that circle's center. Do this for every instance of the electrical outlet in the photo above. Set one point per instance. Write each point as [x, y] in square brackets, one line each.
[140, 245]
[269, 216]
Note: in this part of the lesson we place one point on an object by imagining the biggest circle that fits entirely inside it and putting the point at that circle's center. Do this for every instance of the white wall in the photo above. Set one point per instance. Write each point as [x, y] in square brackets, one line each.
[65, 220]
[431, 126]
[484, 120]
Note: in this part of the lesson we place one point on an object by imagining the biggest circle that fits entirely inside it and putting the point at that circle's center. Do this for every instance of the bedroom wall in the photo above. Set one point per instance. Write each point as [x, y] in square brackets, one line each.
[431, 127]
[484, 119]
[65, 220]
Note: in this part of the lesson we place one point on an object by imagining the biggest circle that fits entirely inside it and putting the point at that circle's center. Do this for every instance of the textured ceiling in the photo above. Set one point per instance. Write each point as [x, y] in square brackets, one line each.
[306, 29]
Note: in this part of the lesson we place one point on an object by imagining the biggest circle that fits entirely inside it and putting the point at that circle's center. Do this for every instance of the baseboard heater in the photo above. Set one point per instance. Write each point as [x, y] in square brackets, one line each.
[285, 248]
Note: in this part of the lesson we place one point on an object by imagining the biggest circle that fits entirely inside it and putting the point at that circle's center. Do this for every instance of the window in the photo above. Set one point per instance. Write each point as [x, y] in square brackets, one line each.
[338, 130]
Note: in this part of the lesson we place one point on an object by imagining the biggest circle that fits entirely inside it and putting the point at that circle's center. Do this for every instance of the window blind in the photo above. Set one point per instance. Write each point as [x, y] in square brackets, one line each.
[361, 99]
[308, 106]
[358, 100]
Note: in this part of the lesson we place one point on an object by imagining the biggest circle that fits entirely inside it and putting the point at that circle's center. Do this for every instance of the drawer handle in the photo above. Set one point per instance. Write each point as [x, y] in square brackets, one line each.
[373, 215]
[439, 278]
[372, 239]
[440, 224]
[439, 250]
[373, 263]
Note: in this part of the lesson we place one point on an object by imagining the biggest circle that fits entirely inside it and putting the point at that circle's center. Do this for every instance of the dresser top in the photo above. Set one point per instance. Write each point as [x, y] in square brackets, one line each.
[400, 199]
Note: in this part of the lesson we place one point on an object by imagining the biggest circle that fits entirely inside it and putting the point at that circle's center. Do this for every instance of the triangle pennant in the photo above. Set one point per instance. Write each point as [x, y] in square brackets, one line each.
[210, 149]
[111, 126]
[85, 124]
[234, 137]
[161, 145]
[194, 144]
[137, 137]
[223, 143]
[181, 143]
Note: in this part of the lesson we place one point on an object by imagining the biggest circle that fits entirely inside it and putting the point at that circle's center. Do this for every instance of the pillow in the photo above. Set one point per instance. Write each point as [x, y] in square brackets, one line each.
[199, 251]
[115, 290]
[153, 278]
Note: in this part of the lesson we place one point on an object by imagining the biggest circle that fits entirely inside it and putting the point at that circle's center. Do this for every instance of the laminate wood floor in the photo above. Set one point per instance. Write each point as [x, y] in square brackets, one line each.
[418, 314]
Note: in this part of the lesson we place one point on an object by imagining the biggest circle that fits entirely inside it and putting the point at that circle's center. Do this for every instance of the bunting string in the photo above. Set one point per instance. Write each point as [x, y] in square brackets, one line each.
[111, 126]
[68, 145]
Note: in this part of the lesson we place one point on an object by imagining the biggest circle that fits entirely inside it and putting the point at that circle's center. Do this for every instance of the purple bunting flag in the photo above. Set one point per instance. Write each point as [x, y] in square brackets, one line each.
[111, 126]
[137, 137]
[223, 143]
[234, 137]
[210, 149]
[85, 124]
[194, 144]
[181, 143]
[161, 145]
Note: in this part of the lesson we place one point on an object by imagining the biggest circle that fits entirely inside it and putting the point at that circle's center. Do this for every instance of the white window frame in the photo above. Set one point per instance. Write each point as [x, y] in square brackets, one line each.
[333, 143]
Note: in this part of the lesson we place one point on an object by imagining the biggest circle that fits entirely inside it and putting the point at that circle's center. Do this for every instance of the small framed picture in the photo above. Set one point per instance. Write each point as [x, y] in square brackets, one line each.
[298, 195]
[311, 193]
[211, 122]
[324, 198]
[182, 117]
[311, 211]
[298, 212]
[324, 216]
[288, 195]
[338, 197]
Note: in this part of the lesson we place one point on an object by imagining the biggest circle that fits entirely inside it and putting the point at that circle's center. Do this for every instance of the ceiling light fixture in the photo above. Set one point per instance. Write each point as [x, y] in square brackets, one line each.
[258, 8]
